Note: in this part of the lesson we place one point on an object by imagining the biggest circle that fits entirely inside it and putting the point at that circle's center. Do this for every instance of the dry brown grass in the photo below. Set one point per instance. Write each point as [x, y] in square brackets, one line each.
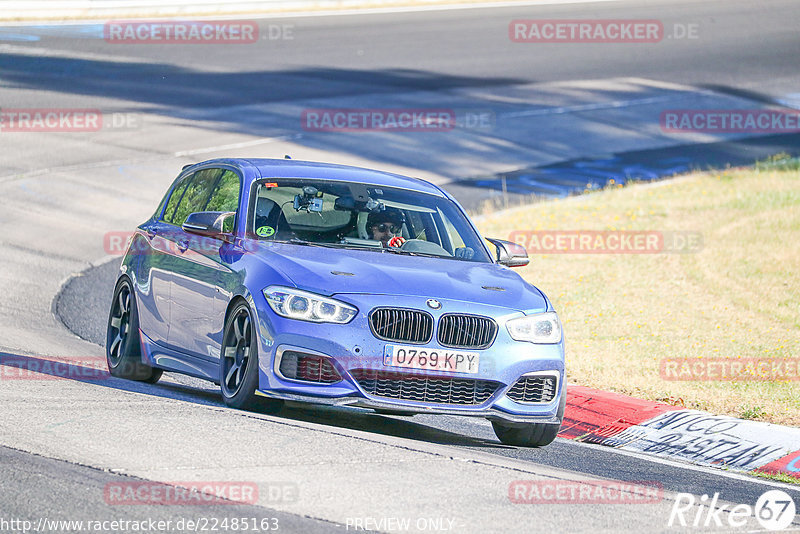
[738, 297]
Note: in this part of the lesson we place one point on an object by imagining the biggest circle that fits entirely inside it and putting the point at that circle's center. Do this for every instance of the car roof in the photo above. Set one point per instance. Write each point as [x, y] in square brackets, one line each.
[290, 168]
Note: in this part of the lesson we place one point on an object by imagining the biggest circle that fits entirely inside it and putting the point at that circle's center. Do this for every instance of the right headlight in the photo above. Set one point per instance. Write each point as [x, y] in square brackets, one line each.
[538, 328]
[304, 306]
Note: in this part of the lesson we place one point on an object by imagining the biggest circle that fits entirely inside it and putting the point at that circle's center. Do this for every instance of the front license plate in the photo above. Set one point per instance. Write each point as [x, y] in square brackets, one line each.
[452, 361]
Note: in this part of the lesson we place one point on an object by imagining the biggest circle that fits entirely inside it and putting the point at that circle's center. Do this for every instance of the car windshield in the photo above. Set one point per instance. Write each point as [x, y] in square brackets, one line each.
[336, 214]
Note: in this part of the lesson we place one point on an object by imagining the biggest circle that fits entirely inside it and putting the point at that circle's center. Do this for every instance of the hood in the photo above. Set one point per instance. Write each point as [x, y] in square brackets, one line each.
[330, 271]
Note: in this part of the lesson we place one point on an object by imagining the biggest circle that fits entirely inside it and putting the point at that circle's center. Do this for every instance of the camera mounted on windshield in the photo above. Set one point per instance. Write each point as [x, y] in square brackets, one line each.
[310, 200]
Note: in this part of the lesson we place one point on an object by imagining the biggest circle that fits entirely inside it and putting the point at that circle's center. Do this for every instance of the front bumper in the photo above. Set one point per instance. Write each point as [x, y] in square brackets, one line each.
[353, 346]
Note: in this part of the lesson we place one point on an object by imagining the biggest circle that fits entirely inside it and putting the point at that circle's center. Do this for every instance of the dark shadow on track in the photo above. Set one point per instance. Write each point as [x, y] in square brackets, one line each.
[578, 175]
[224, 100]
[368, 421]
[91, 369]
[593, 460]
[212, 97]
[169, 87]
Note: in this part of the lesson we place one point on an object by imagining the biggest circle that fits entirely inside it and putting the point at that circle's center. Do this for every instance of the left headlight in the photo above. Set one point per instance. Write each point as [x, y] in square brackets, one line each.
[539, 328]
[305, 306]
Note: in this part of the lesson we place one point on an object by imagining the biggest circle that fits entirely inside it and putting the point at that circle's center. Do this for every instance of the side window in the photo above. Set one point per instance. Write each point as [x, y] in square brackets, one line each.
[160, 208]
[455, 237]
[416, 225]
[197, 195]
[225, 196]
[176, 196]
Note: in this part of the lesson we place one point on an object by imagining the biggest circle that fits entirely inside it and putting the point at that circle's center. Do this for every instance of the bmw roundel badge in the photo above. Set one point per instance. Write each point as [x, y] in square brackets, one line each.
[433, 304]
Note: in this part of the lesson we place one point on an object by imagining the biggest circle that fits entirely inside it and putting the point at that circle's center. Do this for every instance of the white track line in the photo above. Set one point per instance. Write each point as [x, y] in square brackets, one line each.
[324, 12]
[243, 144]
[736, 475]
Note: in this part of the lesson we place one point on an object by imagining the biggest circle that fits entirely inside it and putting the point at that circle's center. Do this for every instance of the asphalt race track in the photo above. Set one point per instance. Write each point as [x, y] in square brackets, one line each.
[551, 109]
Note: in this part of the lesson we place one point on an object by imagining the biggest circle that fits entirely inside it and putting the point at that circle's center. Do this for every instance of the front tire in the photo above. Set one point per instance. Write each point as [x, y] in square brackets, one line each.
[238, 369]
[123, 340]
[534, 434]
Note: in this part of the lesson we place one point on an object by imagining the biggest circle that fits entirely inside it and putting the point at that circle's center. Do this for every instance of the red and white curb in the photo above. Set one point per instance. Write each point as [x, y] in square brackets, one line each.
[623, 422]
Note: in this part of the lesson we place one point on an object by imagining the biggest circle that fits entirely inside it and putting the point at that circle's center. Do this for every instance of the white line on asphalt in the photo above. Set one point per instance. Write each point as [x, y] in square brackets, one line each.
[600, 105]
[327, 11]
[423, 8]
[77, 167]
[41, 51]
[792, 100]
[740, 475]
[243, 144]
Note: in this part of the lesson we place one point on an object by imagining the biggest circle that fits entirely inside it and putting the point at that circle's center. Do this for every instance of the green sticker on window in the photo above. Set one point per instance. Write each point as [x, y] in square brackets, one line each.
[265, 231]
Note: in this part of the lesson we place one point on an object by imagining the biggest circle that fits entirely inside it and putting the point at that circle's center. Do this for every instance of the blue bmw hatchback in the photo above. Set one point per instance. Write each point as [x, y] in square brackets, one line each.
[283, 280]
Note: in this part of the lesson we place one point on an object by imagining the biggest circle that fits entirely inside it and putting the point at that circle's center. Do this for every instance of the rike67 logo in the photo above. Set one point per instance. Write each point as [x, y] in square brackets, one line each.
[774, 510]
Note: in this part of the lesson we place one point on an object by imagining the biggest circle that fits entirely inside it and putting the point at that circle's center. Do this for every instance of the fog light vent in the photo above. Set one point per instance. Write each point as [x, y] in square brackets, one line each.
[308, 367]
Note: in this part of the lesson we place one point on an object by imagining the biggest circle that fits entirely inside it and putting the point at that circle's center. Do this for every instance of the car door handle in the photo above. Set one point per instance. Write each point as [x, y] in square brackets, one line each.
[183, 244]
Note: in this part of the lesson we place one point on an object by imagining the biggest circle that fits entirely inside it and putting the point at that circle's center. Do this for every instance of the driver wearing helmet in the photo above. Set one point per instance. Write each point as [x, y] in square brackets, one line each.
[385, 226]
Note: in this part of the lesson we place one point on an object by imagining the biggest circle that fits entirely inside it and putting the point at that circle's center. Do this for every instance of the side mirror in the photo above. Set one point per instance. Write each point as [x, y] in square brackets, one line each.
[510, 254]
[217, 224]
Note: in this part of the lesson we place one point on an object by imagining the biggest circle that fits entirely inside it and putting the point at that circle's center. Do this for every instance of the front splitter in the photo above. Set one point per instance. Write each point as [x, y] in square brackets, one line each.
[362, 402]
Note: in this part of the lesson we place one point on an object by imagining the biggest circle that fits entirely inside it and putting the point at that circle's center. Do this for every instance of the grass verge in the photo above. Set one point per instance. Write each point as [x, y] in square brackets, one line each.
[736, 297]
[778, 477]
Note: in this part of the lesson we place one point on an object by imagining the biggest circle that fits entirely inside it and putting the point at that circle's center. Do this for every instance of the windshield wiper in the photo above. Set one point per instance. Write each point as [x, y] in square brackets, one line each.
[391, 250]
[297, 241]
[402, 252]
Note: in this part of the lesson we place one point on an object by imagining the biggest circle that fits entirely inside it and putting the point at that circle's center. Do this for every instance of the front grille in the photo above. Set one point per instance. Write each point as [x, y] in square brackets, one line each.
[466, 331]
[421, 388]
[398, 324]
[308, 368]
[535, 389]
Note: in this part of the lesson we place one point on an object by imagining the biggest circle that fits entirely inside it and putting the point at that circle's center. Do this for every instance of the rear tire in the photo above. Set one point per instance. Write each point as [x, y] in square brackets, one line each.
[534, 434]
[238, 369]
[123, 340]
